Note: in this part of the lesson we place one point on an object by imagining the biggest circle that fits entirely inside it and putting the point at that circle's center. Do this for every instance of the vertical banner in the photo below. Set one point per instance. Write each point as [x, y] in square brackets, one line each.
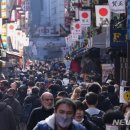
[0, 25]
[76, 27]
[128, 19]
[85, 17]
[11, 29]
[3, 9]
[117, 6]
[102, 15]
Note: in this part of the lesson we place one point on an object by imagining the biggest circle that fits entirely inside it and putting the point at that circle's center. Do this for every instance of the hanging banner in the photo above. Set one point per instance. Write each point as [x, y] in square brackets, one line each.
[117, 6]
[0, 25]
[85, 17]
[102, 15]
[11, 29]
[76, 27]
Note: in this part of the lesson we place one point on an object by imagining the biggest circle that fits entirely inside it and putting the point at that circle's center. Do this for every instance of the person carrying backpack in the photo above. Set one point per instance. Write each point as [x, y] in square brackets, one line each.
[94, 114]
[31, 101]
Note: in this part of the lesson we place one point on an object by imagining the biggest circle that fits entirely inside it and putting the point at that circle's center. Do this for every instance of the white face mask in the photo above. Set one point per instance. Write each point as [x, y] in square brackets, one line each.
[63, 120]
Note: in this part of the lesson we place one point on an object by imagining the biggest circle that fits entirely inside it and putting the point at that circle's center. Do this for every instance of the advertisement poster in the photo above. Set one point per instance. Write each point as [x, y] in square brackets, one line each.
[107, 69]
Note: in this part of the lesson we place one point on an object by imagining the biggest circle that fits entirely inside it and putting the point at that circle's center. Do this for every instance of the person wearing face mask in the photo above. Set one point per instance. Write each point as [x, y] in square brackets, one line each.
[82, 118]
[62, 119]
[41, 113]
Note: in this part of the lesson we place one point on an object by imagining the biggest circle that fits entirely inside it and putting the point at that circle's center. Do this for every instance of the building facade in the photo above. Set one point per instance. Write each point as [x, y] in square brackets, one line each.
[47, 17]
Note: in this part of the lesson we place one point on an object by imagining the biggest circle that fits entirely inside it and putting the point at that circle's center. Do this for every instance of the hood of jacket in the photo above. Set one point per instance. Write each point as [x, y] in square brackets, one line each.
[3, 105]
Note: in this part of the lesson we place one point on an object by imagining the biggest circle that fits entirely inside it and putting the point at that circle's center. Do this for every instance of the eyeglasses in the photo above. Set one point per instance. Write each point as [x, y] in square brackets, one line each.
[45, 99]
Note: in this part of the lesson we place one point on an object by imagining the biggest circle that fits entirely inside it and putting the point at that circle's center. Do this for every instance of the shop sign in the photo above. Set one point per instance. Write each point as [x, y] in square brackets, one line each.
[118, 37]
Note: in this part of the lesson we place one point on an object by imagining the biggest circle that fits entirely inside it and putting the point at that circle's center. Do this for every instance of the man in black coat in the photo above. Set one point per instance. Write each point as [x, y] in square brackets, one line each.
[42, 112]
[7, 119]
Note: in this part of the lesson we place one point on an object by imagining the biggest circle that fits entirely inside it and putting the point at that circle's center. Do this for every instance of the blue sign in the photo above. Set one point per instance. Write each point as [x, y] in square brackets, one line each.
[128, 20]
[118, 38]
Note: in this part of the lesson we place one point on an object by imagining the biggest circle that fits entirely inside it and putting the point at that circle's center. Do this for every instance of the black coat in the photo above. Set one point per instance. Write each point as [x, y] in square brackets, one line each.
[7, 120]
[104, 103]
[37, 115]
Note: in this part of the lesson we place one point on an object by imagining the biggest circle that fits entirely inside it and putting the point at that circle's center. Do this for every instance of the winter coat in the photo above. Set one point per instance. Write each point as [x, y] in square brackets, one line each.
[49, 124]
[16, 107]
[7, 120]
[34, 99]
[37, 115]
[104, 103]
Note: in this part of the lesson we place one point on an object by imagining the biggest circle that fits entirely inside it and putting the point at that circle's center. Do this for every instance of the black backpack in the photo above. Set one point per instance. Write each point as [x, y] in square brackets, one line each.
[97, 119]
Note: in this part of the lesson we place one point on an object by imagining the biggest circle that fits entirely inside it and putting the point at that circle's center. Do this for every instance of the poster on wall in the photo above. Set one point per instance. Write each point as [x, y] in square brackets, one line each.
[107, 70]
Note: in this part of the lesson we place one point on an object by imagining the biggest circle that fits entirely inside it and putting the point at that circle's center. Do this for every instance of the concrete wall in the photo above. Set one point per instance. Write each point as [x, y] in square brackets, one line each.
[35, 6]
[57, 12]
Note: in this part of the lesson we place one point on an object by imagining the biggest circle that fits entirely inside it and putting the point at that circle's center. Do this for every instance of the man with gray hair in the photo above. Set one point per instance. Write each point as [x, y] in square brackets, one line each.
[41, 113]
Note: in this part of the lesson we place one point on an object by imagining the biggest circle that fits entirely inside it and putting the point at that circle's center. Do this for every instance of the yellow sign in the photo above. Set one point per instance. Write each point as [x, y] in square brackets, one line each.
[126, 96]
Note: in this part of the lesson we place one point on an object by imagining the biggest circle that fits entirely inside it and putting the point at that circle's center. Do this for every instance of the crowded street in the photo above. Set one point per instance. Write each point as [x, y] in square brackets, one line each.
[64, 65]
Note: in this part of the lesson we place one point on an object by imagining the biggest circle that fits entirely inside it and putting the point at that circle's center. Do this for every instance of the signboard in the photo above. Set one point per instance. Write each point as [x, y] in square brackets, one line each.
[3, 9]
[124, 94]
[118, 37]
[76, 27]
[85, 17]
[47, 31]
[50, 42]
[107, 69]
[117, 6]
[102, 15]
[0, 25]
[128, 19]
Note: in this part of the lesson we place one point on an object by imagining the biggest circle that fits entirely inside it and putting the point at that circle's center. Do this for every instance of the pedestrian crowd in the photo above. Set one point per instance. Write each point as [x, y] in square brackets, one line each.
[50, 96]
